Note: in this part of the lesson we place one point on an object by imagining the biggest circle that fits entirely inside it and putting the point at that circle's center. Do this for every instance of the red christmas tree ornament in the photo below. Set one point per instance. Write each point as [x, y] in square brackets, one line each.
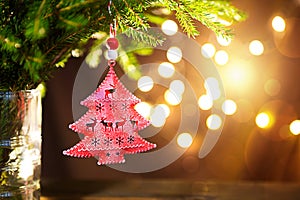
[111, 124]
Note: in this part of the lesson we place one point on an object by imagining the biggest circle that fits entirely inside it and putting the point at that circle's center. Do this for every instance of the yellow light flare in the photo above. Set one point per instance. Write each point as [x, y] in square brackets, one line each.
[184, 140]
[166, 110]
[144, 109]
[295, 127]
[169, 27]
[263, 120]
[208, 50]
[145, 83]
[221, 57]
[214, 122]
[166, 69]
[174, 54]
[229, 107]
[256, 47]
[278, 24]
[172, 98]
[205, 102]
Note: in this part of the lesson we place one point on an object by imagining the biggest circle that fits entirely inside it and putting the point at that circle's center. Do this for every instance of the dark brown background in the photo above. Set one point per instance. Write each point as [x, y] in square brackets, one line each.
[243, 152]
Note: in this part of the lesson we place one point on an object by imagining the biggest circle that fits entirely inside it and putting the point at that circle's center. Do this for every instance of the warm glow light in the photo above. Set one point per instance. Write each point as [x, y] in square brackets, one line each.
[184, 140]
[166, 69]
[158, 117]
[143, 109]
[256, 48]
[278, 24]
[205, 102]
[174, 54]
[224, 42]
[26, 167]
[221, 57]
[263, 120]
[211, 85]
[164, 108]
[169, 27]
[172, 98]
[177, 86]
[295, 127]
[145, 83]
[214, 122]
[272, 87]
[229, 107]
[208, 50]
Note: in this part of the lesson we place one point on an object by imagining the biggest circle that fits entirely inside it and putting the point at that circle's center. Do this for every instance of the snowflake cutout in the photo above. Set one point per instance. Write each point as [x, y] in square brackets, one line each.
[99, 107]
[119, 140]
[95, 141]
[130, 139]
[113, 107]
[108, 141]
[124, 106]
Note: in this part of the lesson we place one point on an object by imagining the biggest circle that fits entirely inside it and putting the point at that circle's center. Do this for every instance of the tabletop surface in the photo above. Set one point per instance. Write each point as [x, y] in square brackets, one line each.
[168, 189]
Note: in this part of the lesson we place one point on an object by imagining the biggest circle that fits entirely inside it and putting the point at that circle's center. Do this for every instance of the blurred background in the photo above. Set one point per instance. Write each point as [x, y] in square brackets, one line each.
[259, 71]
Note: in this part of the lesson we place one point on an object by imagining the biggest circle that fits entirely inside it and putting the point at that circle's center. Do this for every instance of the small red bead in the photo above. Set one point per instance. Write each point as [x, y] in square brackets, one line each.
[112, 43]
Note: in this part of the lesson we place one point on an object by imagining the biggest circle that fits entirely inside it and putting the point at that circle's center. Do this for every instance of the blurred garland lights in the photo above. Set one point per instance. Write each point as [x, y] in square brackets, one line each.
[173, 95]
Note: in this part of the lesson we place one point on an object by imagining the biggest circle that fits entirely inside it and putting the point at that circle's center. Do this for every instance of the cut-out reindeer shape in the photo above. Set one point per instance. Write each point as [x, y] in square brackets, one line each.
[110, 91]
[133, 122]
[91, 124]
[120, 123]
[106, 124]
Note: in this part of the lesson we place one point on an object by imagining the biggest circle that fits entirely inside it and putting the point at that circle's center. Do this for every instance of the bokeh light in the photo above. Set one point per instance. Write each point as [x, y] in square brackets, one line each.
[278, 24]
[184, 140]
[221, 57]
[174, 54]
[214, 122]
[211, 86]
[164, 109]
[166, 69]
[229, 107]
[263, 120]
[145, 83]
[177, 86]
[205, 102]
[272, 87]
[172, 98]
[144, 109]
[256, 47]
[208, 50]
[158, 116]
[169, 27]
[223, 41]
[295, 127]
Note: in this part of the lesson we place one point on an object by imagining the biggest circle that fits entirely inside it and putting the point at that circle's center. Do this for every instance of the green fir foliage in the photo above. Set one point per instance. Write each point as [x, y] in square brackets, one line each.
[36, 36]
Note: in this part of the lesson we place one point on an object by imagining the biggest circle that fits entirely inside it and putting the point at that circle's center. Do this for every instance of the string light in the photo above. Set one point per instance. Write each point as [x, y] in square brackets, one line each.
[174, 54]
[214, 122]
[278, 24]
[169, 27]
[263, 120]
[208, 50]
[145, 83]
[221, 57]
[295, 127]
[184, 140]
[166, 69]
[256, 48]
[229, 107]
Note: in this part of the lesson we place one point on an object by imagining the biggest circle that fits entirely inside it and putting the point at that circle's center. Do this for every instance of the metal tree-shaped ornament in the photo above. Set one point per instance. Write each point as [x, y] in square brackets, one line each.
[111, 124]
